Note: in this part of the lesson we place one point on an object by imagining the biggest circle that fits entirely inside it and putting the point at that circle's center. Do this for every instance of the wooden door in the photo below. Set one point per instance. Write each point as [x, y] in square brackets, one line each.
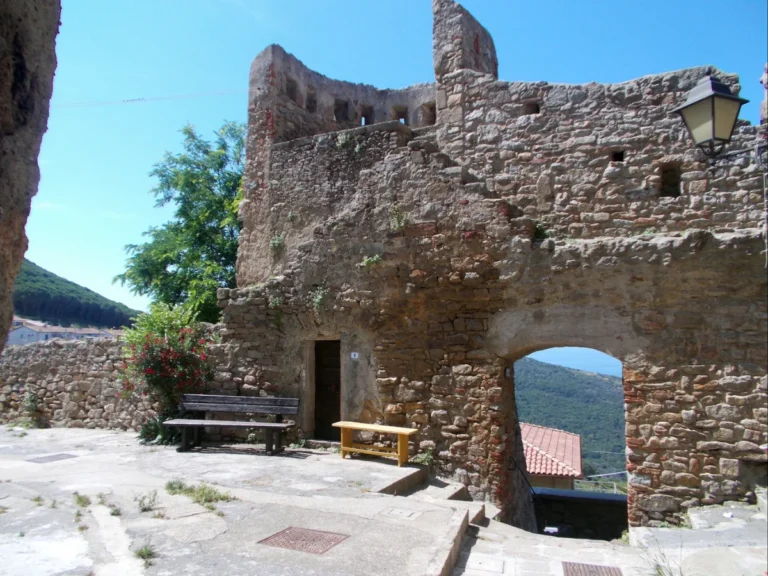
[327, 389]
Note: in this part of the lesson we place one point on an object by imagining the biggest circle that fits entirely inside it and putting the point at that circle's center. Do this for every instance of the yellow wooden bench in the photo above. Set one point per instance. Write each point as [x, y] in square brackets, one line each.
[348, 446]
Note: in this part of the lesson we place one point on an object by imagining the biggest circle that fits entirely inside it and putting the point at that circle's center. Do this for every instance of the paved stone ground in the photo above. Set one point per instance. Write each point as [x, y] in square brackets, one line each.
[43, 531]
[40, 535]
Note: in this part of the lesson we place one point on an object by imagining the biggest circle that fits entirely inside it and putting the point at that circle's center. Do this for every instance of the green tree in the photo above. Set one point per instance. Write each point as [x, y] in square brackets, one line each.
[188, 258]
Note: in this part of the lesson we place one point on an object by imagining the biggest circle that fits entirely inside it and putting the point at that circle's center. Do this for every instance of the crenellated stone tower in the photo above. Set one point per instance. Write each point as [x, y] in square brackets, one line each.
[440, 232]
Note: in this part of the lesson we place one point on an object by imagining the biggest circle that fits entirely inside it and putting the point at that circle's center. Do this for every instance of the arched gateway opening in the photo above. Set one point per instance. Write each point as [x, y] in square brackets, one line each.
[514, 335]
[570, 406]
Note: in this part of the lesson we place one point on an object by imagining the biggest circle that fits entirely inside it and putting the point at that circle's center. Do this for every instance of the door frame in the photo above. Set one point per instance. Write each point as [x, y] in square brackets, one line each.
[308, 385]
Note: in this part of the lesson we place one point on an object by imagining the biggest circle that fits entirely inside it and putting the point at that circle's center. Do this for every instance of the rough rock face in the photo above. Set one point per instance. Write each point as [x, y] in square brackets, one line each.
[72, 384]
[28, 31]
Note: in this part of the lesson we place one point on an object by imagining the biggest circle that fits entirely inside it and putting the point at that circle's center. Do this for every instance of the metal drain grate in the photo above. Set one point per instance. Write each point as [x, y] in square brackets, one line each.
[51, 458]
[304, 540]
[575, 569]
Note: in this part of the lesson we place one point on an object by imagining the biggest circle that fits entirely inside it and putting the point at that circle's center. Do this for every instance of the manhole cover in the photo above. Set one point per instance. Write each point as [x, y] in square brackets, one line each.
[304, 540]
[575, 569]
[51, 458]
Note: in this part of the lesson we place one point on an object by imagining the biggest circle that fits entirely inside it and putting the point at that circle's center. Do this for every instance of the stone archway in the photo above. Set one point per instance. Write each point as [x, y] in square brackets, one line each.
[514, 334]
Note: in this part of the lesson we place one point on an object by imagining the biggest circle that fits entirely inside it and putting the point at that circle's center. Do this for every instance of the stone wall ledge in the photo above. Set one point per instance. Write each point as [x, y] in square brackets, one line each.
[389, 126]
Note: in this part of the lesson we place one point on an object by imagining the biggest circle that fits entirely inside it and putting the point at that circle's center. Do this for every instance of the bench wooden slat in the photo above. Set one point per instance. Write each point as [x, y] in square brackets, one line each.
[242, 408]
[372, 450]
[226, 423]
[348, 446]
[383, 449]
[223, 399]
[376, 428]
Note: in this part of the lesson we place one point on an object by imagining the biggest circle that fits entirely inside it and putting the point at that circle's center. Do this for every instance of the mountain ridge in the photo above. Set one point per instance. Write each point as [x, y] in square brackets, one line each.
[42, 295]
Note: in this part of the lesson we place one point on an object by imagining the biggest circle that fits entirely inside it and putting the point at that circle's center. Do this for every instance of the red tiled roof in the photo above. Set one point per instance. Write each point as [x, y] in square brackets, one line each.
[551, 452]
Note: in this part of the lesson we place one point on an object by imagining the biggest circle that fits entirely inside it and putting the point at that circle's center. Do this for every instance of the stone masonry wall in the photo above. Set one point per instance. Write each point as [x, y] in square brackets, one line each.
[28, 31]
[76, 385]
[425, 252]
[456, 298]
[548, 150]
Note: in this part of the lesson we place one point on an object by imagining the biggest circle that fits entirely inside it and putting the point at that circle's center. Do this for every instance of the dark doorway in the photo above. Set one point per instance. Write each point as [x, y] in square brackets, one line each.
[327, 389]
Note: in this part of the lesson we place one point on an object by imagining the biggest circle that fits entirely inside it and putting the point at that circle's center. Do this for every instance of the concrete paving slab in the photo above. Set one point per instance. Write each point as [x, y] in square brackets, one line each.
[317, 490]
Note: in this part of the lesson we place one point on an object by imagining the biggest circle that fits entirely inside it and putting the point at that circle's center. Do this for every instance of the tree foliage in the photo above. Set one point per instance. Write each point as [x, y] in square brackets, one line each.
[42, 295]
[188, 258]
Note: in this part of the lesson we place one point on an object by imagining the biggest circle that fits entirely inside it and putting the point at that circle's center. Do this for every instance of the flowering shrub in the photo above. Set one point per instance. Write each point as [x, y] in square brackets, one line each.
[165, 356]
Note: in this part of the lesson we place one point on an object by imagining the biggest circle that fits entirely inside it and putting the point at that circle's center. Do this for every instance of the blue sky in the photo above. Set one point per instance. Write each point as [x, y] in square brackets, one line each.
[581, 359]
[94, 190]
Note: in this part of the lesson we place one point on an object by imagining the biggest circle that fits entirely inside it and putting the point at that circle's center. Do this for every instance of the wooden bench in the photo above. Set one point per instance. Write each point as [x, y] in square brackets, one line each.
[348, 446]
[197, 403]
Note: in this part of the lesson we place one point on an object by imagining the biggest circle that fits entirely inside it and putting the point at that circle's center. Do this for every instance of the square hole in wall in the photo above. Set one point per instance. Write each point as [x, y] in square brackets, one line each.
[367, 116]
[292, 89]
[400, 113]
[670, 181]
[531, 108]
[311, 100]
[617, 156]
[341, 110]
[428, 114]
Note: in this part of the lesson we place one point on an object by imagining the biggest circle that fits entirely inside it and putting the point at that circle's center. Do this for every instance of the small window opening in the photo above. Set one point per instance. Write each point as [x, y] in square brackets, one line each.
[477, 44]
[400, 113]
[428, 114]
[367, 115]
[670, 181]
[292, 89]
[617, 156]
[341, 111]
[531, 108]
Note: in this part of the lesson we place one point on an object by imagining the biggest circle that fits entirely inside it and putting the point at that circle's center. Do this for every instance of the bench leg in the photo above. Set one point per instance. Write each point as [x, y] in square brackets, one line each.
[184, 439]
[346, 440]
[269, 441]
[197, 436]
[278, 441]
[402, 449]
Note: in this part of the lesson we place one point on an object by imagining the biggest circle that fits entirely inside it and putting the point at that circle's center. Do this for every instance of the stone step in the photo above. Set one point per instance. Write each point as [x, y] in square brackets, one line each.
[497, 548]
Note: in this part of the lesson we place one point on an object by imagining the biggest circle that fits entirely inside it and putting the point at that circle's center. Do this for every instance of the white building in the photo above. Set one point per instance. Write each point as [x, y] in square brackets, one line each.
[28, 332]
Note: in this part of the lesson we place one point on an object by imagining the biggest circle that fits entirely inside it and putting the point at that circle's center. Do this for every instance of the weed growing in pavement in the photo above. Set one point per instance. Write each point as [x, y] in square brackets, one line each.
[82, 500]
[147, 554]
[147, 502]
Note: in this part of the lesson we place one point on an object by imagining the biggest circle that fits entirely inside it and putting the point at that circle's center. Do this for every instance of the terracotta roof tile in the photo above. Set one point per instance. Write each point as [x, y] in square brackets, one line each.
[551, 452]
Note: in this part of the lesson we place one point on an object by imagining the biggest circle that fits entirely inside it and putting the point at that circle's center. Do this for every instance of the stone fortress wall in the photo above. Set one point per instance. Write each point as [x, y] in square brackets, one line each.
[72, 384]
[530, 215]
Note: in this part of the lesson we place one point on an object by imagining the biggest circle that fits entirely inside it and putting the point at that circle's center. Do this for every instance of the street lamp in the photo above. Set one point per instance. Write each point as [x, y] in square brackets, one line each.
[710, 114]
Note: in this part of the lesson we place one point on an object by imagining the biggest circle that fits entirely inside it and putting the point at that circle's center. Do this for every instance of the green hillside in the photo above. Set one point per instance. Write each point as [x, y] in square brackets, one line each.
[585, 403]
[42, 295]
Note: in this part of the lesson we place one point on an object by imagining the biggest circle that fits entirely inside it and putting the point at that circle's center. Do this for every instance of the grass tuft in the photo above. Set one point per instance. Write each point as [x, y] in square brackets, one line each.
[146, 553]
[147, 502]
[203, 494]
[82, 500]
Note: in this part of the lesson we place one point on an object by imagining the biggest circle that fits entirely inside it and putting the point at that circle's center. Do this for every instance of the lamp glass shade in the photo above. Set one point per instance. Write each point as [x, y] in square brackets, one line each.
[726, 112]
[710, 113]
[698, 118]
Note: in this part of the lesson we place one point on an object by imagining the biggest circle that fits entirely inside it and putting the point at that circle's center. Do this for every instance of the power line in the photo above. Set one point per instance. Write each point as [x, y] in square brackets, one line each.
[150, 99]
